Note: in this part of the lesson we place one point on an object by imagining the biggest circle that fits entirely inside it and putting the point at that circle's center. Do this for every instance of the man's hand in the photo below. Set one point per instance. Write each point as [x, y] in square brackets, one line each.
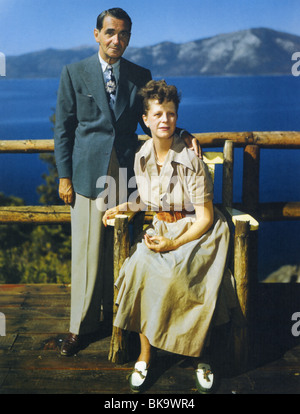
[66, 191]
[192, 143]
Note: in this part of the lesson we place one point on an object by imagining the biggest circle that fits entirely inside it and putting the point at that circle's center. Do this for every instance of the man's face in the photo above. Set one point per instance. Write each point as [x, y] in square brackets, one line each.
[113, 39]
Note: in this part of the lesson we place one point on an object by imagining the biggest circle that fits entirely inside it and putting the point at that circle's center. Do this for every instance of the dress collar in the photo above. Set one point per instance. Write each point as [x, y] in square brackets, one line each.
[178, 153]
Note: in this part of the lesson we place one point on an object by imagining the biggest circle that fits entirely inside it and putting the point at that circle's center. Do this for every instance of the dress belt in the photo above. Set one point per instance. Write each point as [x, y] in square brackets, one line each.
[172, 216]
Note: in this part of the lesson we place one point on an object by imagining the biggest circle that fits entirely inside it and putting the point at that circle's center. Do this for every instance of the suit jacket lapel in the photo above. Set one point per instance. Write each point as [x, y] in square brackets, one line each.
[124, 89]
[94, 80]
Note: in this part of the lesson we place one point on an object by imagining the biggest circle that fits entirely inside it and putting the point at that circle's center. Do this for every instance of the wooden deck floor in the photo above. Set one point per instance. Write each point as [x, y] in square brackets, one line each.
[37, 319]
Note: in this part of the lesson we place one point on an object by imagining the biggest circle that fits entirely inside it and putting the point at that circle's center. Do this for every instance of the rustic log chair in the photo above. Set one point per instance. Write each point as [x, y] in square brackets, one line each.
[241, 224]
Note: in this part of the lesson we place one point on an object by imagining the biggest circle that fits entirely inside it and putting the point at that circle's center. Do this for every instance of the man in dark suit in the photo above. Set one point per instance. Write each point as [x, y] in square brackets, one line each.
[96, 118]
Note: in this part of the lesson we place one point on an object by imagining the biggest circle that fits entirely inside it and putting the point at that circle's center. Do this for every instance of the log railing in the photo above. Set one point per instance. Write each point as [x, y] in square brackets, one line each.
[264, 139]
[252, 142]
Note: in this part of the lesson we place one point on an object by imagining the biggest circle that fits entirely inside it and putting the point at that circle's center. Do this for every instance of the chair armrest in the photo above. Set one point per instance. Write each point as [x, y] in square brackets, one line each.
[129, 214]
[237, 215]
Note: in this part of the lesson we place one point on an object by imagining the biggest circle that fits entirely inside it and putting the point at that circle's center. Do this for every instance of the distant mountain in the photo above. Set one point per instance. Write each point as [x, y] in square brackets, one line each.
[44, 64]
[247, 52]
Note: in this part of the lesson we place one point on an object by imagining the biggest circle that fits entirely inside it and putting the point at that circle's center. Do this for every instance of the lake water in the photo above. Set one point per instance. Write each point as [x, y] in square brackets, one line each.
[209, 104]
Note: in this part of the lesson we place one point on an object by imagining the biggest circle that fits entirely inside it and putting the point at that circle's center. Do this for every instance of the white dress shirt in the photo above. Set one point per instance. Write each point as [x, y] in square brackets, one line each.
[116, 67]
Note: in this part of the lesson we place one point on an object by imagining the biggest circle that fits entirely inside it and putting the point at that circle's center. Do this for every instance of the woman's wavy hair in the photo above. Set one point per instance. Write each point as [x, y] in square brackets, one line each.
[160, 91]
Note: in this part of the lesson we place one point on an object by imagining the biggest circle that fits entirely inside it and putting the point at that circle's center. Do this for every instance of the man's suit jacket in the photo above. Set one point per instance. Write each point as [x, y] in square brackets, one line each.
[85, 128]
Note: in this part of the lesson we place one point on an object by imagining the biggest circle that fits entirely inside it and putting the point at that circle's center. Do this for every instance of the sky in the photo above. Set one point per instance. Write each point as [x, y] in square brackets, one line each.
[33, 25]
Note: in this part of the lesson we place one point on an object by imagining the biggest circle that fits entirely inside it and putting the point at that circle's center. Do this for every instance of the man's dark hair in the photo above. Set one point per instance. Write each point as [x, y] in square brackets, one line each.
[159, 90]
[117, 13]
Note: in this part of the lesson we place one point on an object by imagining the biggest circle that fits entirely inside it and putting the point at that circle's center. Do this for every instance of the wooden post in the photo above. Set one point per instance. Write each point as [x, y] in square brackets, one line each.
[118, 347]
[247, 245]
[251, 178]
[227, 190]
[242, 280]
[241, 263]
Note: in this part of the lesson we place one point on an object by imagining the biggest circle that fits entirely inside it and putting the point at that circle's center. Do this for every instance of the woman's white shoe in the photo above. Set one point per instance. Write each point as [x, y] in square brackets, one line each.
[138, 376]
[204, 378]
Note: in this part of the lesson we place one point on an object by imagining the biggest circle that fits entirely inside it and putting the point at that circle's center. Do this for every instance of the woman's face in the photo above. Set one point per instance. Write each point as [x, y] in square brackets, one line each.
[161, 119]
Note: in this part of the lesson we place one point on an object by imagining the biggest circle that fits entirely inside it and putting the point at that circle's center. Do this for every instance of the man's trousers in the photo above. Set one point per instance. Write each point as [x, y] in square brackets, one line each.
[92, 259]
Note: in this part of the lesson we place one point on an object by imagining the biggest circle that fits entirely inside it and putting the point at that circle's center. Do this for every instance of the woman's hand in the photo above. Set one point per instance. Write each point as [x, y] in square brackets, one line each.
[159, 243]
[204, 220]
[112, 212]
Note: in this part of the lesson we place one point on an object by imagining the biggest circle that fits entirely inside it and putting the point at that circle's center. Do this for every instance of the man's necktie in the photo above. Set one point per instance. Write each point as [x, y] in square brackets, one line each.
[111, 85]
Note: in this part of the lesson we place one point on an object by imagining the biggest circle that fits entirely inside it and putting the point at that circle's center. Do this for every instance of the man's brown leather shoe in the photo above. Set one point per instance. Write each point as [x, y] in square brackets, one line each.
[71, 345]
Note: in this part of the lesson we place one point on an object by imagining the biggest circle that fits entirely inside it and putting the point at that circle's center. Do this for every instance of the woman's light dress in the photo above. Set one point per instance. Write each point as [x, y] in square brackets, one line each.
[171, 297]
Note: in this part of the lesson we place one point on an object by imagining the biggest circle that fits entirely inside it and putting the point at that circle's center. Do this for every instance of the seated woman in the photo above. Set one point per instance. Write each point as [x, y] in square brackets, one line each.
[169, 287]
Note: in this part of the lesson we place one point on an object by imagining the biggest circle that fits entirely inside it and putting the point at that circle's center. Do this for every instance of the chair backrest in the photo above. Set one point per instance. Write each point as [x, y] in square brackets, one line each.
[211, 159]
[226, 159]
